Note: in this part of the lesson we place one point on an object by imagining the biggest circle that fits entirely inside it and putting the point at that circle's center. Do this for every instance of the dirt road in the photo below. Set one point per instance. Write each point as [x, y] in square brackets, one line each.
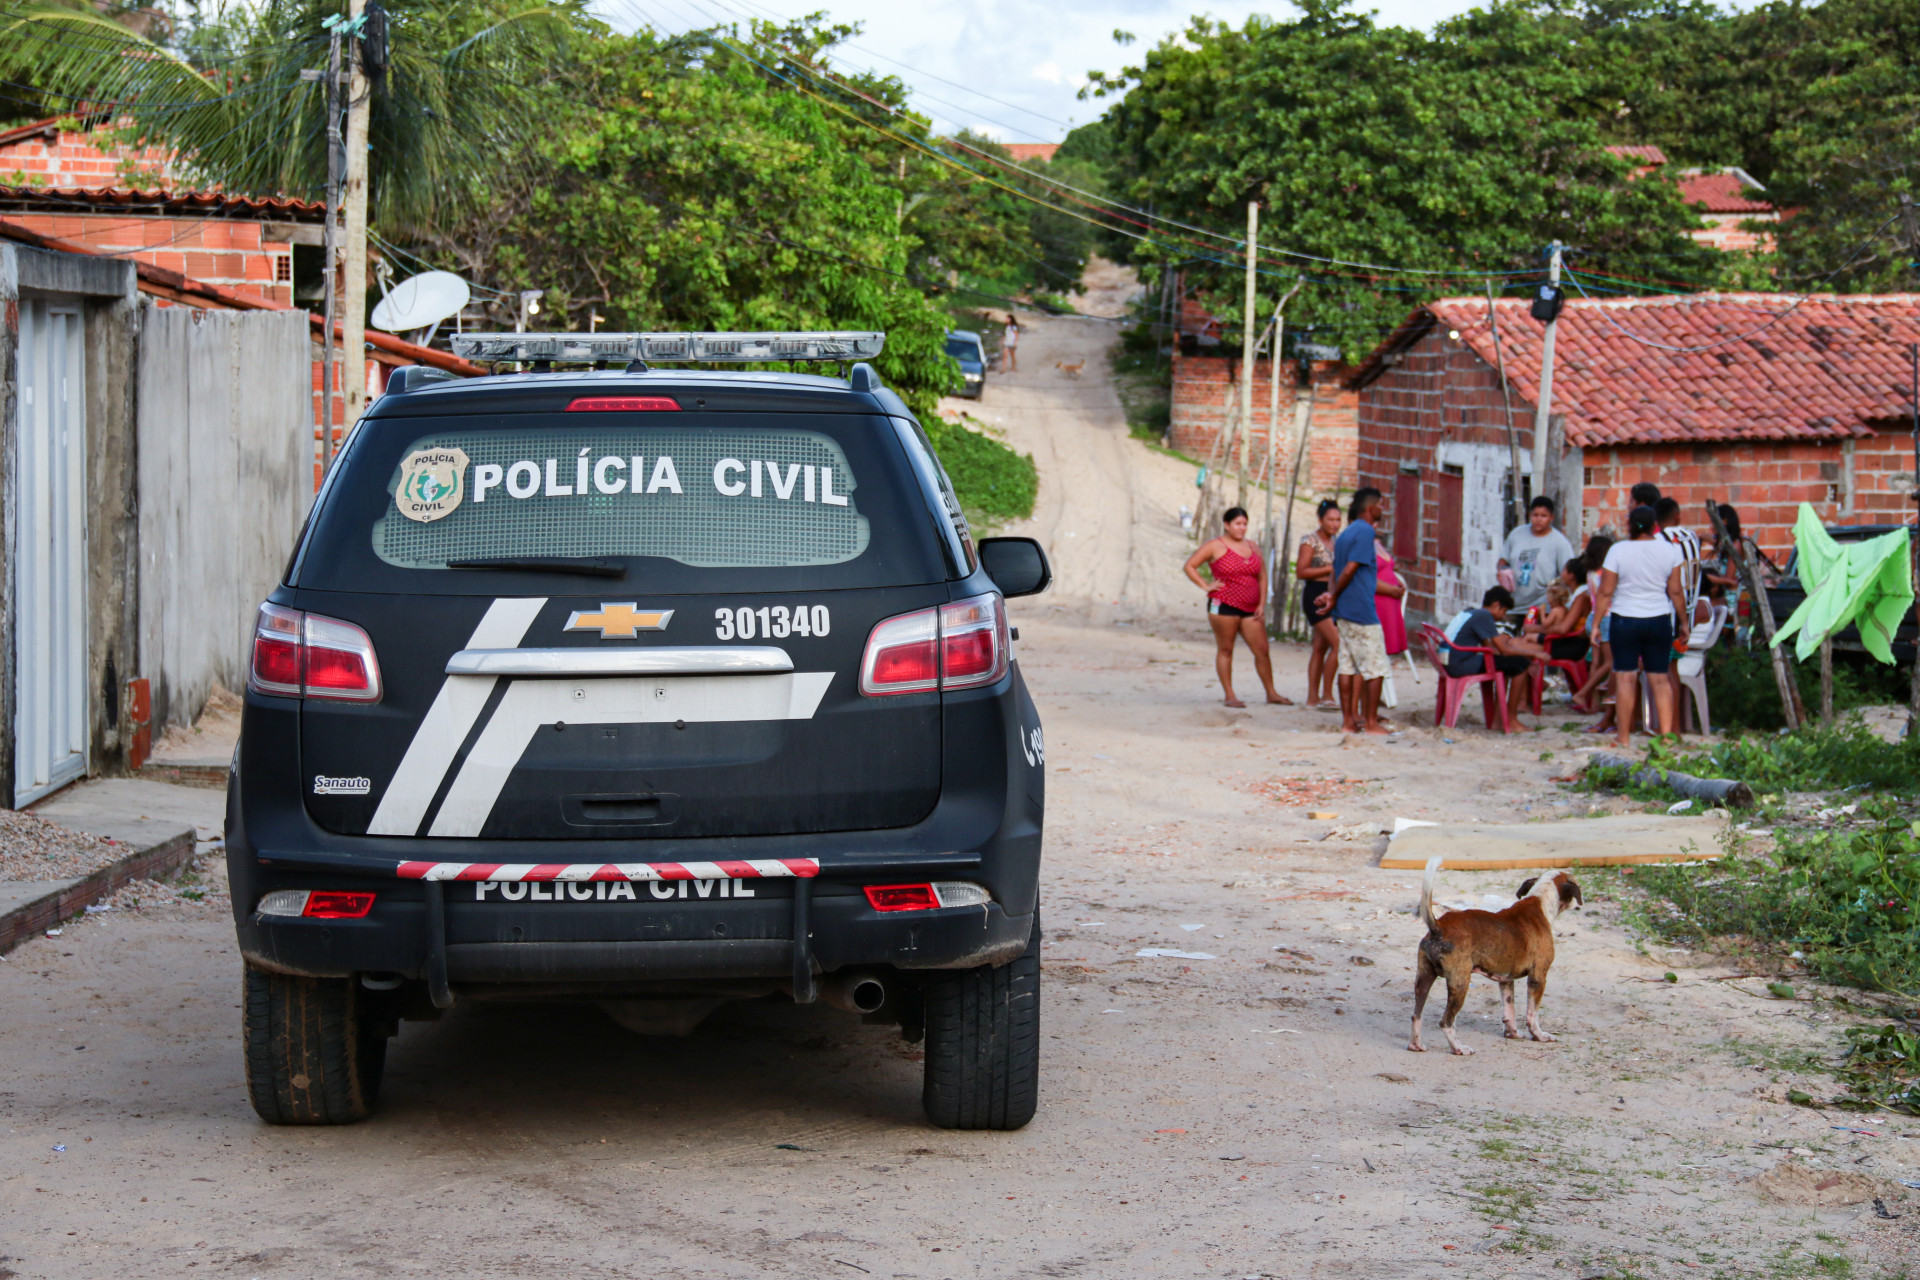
[1255, 1113]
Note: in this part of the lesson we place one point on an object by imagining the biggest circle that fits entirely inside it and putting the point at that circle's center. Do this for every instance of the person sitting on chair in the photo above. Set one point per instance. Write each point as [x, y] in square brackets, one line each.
[1514, 657]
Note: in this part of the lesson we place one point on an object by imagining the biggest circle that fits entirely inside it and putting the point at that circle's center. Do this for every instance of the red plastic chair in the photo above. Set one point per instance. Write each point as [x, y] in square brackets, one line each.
[1577, 669]
[1453, 689]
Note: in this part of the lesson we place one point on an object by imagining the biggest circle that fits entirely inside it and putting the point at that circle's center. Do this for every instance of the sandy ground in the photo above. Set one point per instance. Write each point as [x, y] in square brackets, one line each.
[1252, 1114]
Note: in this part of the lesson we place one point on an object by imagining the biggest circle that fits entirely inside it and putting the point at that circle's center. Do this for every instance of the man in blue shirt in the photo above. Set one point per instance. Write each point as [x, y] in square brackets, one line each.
[1363, 647]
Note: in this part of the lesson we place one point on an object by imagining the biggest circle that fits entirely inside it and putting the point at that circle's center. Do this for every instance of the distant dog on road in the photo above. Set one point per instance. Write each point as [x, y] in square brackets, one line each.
[1505, 945]
[1071, 370]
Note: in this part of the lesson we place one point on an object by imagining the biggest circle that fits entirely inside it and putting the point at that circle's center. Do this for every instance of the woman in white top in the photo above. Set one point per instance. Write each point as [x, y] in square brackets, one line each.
[1642, 592]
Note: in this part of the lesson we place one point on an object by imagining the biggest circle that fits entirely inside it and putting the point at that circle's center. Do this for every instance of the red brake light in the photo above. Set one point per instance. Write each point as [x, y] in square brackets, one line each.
[278, 655]
[902, 897]
[624, 404]
[955, 646]
[902, 655]
[305, 655]
[328, 904]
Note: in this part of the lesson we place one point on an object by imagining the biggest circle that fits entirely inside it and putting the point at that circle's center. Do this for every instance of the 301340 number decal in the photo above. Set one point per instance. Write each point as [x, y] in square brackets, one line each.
[772, 622]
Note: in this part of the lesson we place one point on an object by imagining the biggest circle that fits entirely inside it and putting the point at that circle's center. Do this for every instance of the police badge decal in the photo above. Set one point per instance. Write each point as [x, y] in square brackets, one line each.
[432, 483]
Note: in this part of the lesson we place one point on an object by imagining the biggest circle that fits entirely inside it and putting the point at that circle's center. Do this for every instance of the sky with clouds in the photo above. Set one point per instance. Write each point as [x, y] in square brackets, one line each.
[1011, 69]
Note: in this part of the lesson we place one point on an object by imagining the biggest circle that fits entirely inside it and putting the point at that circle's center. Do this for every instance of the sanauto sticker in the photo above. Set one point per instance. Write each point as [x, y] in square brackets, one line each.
[432, 484]
[325, 786]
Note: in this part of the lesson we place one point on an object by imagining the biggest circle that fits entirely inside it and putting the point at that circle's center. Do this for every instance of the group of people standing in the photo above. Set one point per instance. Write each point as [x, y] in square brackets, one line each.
[1351, 595]
[1630, 608]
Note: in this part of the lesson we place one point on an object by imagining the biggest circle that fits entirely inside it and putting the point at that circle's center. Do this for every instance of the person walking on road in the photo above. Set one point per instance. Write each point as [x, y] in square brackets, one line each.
[1642, 590]
[1350, 601]
[1010, 343]
[1315, 571]
[1236, 602]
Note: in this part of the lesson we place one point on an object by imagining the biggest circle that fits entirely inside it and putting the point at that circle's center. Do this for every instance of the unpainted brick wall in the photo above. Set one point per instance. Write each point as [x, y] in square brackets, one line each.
[1204, 388]
[223, 251]
[1440, 391]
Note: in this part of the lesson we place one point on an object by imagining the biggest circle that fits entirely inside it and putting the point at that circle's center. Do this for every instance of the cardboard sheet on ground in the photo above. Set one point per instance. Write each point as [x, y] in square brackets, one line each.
[1617, 840]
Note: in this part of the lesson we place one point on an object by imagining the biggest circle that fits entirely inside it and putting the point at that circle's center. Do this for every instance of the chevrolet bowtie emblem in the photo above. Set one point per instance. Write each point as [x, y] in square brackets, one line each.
[619, 621]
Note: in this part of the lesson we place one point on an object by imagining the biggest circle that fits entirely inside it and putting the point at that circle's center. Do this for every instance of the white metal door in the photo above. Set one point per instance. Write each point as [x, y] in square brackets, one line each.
[50, 602]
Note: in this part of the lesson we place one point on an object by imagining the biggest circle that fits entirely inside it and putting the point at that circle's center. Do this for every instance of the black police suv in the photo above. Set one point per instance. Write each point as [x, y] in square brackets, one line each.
[648, 687]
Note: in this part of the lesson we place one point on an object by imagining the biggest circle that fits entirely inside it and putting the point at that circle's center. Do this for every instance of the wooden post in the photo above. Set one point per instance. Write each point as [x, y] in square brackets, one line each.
[1293, 487]
[1826, 680]
[1913, 542]
[1248, 349]
[1790, 708]
[353, 287]
[1506, 398]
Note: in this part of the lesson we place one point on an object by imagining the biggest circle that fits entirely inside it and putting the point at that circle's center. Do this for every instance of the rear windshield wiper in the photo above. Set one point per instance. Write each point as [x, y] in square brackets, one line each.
[587, 565]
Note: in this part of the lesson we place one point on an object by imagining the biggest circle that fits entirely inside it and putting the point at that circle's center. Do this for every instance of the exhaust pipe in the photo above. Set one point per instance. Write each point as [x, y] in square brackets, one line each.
[856, 992]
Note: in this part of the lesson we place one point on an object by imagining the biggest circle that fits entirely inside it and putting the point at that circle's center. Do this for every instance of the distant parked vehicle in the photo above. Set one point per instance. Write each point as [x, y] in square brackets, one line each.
[1788, 594]
[965, 346]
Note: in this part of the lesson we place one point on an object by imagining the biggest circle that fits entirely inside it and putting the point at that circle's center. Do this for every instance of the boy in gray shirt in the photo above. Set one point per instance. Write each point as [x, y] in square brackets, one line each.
[1535, 554]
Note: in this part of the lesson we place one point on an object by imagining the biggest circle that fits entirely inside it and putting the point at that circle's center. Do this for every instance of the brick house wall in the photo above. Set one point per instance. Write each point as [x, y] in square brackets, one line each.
[250, 257]
[1206, 387]
[51, 156]
[1433, 420]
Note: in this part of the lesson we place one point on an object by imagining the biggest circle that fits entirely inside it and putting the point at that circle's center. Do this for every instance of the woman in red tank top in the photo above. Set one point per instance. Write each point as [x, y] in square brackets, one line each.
[1236, 602]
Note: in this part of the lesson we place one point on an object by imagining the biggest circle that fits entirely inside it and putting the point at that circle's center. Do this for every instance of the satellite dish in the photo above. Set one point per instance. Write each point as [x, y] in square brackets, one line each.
[421, 302]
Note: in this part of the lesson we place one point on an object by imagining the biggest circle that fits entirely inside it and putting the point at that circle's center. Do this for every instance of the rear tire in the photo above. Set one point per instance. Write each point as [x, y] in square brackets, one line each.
[983, 1043]
[315, 1048]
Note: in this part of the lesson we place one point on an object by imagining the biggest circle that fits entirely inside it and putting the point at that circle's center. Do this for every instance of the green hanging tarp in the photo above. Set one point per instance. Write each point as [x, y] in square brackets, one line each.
[1864, 584]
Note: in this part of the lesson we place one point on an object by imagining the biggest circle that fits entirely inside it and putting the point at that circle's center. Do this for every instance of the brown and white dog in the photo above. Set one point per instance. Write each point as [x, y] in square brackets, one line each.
[1505, 945]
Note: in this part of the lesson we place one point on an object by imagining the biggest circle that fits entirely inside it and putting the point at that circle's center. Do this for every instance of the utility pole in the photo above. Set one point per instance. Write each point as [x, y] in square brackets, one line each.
[1913, 535]
[1247, 349]
[331, 259]
[1544, 409]
[353, 292]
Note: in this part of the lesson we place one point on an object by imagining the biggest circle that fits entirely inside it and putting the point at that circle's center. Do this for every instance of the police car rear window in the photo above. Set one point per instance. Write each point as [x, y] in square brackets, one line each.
[694, 502]
[713, 498]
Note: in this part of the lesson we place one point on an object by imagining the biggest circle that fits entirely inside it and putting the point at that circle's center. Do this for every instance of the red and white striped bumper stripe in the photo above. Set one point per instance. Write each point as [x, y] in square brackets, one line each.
[755, 869]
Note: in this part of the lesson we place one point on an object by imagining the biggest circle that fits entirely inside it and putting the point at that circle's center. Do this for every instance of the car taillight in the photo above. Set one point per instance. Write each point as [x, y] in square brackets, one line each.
[316, 904]
[902, 897]
[973, 642]
[925, 897]
[328, 904]
[903, 655]
[305, 655]
[954, 646]
[624, 404]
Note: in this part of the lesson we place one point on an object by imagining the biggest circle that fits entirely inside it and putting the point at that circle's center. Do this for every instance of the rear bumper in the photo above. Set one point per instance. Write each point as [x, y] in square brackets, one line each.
[617, 944]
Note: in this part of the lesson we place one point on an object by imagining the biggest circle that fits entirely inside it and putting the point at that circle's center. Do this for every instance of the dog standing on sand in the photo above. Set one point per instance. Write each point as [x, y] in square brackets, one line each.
[1505, 945]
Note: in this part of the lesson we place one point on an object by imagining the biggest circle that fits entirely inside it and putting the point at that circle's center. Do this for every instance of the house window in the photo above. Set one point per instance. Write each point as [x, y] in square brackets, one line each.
[283, 268]
[1406, 517]
[1447, 515]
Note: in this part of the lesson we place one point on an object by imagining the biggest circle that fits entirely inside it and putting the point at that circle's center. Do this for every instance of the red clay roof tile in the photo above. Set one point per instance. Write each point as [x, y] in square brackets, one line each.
[1822, 369]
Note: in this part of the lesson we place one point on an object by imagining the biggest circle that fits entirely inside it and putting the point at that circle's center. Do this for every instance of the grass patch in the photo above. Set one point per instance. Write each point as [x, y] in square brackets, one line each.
[1746, 697]
[1505, 1203]
[991, 480]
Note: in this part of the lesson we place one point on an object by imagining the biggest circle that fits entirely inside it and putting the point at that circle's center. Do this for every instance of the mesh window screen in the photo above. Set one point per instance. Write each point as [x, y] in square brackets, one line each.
[700, 526]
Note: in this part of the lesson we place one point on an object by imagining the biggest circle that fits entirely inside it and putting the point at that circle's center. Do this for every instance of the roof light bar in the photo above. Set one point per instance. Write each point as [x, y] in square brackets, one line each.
[667, 348]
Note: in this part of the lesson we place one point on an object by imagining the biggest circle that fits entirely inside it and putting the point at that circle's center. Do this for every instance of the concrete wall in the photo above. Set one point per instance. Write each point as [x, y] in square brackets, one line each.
[106, 290]
[225, 481]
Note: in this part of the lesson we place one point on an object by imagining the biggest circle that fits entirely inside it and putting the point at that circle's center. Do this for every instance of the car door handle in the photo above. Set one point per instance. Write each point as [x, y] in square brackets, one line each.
[651, 661]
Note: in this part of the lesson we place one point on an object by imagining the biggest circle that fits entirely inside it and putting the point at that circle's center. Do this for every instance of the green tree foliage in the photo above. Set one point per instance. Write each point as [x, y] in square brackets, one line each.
[1819, 102]
[691, 188]
[457, 107]
[1463, 151]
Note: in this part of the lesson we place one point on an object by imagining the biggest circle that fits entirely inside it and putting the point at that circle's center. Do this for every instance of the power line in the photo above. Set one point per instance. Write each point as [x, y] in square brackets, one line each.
[1752, 333]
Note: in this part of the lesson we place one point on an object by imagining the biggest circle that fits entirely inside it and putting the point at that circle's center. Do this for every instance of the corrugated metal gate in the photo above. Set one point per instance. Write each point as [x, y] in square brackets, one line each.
[50, 609]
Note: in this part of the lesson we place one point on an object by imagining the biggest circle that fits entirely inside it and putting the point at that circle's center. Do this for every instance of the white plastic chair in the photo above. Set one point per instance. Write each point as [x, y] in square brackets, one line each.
[1692, 670]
